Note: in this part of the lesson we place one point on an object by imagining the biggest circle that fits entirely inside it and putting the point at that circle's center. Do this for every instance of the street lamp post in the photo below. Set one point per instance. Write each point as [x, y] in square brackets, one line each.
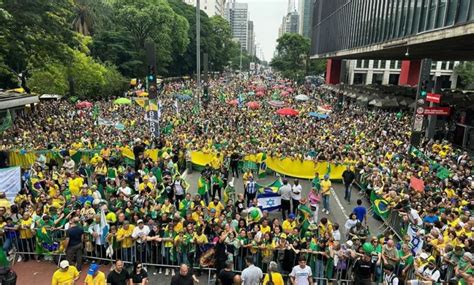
[198, 49]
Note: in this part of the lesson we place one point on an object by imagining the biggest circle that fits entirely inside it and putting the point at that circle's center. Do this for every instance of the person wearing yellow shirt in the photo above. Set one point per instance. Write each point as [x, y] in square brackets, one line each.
[289, 224]
[166, 208]
[75, 184]
[4, 202]
[273, 275]
[65, 275]
[326, 192]
[265, 228]
[94, 276]
[124, 236]
[216, 162]
[145, 184]
[217, 205]
[26, 235]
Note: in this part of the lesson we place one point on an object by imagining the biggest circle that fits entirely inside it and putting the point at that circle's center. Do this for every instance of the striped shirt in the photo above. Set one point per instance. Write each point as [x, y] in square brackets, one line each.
[251, 187]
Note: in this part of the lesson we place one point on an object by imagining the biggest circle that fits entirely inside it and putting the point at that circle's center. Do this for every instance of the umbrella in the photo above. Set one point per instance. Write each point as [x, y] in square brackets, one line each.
[84, 104]
[251, 93]
[234, 102]
[276, 103]
[260, 93]
[289, 90]
[287, 112]
[123, 101]
[183, 97]
[302, 97]
[318, 115]
[253, 105]
[325, 109]
[285, 93]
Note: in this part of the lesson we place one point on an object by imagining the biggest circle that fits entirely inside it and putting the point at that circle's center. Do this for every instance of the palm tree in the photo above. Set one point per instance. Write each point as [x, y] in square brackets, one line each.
[83, 21]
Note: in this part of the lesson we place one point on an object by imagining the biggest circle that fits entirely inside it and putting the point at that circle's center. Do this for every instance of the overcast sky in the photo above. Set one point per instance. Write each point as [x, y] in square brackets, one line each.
[267, 16]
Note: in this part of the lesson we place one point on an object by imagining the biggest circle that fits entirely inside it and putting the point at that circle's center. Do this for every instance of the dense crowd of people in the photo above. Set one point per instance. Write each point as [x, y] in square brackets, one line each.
[151, 216]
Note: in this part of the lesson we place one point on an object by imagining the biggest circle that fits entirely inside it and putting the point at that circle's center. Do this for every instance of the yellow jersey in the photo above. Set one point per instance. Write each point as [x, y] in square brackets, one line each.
[65, 277]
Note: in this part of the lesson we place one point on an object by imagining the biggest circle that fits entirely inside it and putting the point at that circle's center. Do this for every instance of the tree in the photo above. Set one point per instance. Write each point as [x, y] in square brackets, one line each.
[36, 32]
[466, 72]
[292, 58]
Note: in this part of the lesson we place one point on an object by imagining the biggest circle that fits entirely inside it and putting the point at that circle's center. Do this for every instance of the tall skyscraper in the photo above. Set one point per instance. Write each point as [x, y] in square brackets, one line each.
[237, 15]
[305, 9]
[251, 39]
[211, 7]
[290, 22]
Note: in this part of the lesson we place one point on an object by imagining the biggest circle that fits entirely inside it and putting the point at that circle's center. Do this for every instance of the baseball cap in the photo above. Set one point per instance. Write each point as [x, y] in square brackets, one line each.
[93, 269]
[424, 255]
[64, 264]
[140, 221]
[291, 216]
[283, 236]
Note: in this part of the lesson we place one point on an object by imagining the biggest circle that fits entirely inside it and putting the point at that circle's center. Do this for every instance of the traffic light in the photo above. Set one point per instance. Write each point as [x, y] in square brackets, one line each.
[151, 75]
[424, 88]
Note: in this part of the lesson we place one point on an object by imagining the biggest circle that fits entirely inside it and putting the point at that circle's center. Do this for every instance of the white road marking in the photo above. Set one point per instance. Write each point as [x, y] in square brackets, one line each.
[339, 203]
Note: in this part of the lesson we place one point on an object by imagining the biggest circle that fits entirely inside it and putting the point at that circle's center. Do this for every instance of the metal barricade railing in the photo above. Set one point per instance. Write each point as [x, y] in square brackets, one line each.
[163, 256]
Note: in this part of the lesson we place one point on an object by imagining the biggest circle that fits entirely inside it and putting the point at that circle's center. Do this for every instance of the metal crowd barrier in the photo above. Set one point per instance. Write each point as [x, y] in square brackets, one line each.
[158, 255]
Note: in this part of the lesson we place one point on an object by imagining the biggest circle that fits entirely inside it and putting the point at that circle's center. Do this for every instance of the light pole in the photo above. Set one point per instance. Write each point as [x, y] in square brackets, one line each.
[198, 49]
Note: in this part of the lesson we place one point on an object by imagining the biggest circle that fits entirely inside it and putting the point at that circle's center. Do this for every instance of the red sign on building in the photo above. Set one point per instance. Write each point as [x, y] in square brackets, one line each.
[433, 97]
[437, 111]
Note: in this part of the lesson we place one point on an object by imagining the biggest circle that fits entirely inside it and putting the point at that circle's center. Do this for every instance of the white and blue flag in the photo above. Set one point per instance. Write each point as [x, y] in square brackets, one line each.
[269, 201]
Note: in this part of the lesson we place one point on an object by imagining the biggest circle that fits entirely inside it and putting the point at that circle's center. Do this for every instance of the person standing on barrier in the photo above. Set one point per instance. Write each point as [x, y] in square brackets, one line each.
[73, 242]
[285, 194]
[301, 274]
[252, 275]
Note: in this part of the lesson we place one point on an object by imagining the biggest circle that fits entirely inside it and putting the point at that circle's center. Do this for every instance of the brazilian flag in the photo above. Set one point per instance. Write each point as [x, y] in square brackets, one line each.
[272, 187]
[379, 205]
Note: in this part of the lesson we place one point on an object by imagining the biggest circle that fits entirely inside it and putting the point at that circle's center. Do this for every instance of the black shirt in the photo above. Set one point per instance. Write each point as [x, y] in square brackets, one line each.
[226, 277]
[138, 278]
[363, 269]
[116, 278]
[182, 280]
[75, 235]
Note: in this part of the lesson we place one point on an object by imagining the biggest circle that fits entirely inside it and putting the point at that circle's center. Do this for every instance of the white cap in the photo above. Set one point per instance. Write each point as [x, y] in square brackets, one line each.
[64, 264]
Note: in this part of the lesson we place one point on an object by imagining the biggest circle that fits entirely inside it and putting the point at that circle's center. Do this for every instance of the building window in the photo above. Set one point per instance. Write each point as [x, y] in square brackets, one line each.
[366, 63]
[376, 64]
[359, 63]
[450, 65]
[393, 64]
[434, 63]
[444, 64]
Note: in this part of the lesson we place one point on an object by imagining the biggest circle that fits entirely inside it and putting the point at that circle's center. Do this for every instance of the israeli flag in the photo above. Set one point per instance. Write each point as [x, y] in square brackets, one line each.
[269, 201]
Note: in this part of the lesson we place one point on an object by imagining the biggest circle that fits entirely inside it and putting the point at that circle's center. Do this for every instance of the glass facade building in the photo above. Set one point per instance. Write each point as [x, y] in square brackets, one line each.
[348, 24]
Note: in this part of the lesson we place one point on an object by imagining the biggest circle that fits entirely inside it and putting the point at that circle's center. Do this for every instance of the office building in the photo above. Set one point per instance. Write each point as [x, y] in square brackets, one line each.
[237, 16]
[211, 7]
[305, 9]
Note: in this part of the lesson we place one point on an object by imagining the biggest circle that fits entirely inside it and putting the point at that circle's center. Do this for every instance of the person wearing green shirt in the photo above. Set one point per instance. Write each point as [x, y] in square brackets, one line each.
[185, 205]
[406, 259]
[316, 182]
[203, 188]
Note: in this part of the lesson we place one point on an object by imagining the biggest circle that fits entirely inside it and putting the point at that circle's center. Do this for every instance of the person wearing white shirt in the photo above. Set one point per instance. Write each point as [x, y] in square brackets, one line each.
[296, 195]
[301, 273]
[124, 189]
[140, 233]
[96, 231]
